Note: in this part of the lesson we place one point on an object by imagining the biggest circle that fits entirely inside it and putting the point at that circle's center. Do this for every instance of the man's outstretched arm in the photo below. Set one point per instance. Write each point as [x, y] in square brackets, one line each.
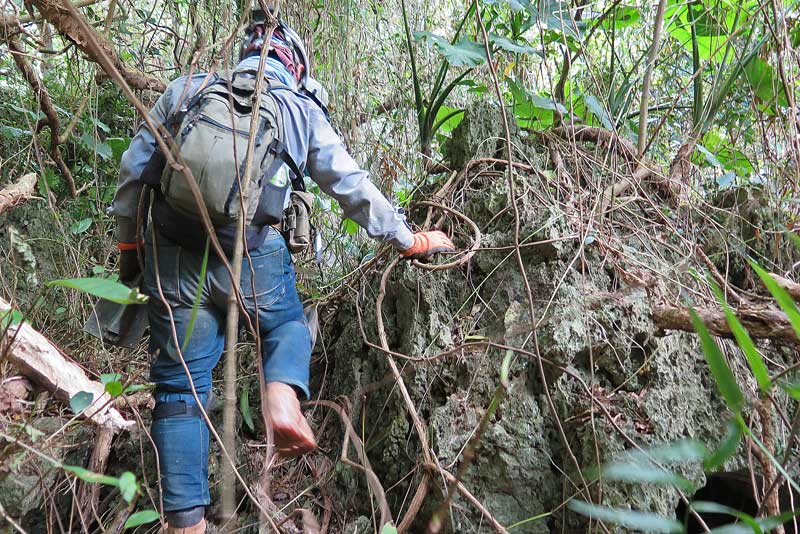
[340, 176]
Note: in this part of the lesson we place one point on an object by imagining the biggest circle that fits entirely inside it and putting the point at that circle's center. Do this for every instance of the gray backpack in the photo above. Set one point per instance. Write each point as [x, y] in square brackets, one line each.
[211, 134]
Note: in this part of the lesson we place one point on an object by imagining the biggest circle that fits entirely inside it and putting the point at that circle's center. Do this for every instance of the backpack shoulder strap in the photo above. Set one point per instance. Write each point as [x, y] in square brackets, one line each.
[279, 150]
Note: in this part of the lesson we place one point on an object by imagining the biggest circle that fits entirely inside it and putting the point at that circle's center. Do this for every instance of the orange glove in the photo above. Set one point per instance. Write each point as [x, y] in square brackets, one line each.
[427, 244]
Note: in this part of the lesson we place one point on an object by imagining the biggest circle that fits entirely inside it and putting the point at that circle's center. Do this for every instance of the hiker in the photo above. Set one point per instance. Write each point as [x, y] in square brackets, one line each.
[302, 141]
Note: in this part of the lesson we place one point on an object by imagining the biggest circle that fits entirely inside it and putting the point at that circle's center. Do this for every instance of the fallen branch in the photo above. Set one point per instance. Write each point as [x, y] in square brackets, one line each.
[17, 193]
[41, 361]
[760, 322]
[792, 288]
[57, 13]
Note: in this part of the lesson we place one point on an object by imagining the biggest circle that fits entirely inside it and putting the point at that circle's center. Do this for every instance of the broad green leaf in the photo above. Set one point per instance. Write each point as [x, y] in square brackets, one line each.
[80, 401]
[709, 156]
[764, 83]
[644, 521]
[597, 109]
[388, 528]
[244, 407]
[678, 452]
[726, 449]
[79, 227]
[448, 119]
[114, 388]
[128, 486]
[350, 226]
[767, 524]
[141, 518]
[464, 53]
[784, 300]
[9, 132]
[90, 476]
[118, 146]
[638, 472]
[9, 318]
[754, 359]
[622, 17]
[103, 288]
[726, 382]
[105, 378]
[513, 46]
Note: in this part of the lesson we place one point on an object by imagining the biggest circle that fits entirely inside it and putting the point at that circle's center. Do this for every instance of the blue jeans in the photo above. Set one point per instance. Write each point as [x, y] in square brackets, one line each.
[268, 286]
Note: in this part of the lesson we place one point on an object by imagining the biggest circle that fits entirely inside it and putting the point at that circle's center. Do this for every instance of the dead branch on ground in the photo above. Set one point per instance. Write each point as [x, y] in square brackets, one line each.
[41, 361]
[761, 322]
[18, 192]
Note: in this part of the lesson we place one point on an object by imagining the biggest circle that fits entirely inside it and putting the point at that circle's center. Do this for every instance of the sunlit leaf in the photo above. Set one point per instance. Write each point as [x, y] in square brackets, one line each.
[448, 119]
[764, 83]
[705, 507]
[128, 486]
[643, 521]
[638, 472]
[726, 382]
[350, 226]
[90, 476]
[103, 288]
[388, 528]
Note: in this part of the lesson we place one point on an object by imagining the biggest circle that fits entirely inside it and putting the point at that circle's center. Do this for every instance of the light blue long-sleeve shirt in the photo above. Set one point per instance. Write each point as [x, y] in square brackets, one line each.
[309, 140]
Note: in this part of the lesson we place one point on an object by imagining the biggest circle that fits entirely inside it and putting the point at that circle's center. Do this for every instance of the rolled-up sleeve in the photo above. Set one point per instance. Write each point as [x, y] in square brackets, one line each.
[340, 176]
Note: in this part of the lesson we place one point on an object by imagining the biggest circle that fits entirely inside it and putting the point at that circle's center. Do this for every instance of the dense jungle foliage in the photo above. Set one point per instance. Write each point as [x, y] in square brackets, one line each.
[613, 349]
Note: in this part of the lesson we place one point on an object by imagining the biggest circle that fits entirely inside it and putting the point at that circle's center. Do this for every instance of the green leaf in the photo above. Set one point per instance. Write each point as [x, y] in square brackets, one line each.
[79, 227]
[727, 448]
[597, 109]
[637, 472]
[719, 367]
[792, 389]
[622, 17]
[513, 46]
[705, 507]
[784, 300]
[244, 407]
[515, 5]
[645, 521]
[114, 388]
[350, 226]
[464, 53]
[9, 132]
[141, 518]
[90, 476]
[105, 378]
[118, 146]
[9, 318]
[128, 486]
[388, 528]
[103, 288]
[80, 401]
[448, 119]
[764, 83]
[754, 359]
